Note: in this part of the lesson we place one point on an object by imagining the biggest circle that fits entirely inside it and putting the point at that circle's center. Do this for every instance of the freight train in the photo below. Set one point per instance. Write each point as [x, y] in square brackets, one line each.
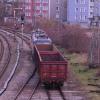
[52, 67]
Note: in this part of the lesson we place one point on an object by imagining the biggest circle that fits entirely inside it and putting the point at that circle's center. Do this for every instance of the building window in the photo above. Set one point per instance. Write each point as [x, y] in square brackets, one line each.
[91, 7]
[91, 0]
[82, 9]
[57, 8]
[57, 1]
[57, 16]
[91, 13]
[37, 7]
[77, 1]
[45, 1]
[76, 9]
[28, 14]
[45, 7]
[76, 18]
[37, 1]
[82, 1]
[85, 17]
[81, 17]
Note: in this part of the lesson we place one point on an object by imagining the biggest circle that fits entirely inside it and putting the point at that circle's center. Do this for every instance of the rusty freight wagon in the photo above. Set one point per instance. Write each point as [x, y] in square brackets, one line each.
[52, 67]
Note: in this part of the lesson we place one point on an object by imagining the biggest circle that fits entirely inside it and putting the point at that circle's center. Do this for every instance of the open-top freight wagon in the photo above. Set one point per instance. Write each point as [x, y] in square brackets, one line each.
[52, 67]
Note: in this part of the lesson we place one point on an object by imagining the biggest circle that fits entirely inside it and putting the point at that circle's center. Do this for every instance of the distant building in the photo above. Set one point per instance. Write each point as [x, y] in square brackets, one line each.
[58, 9]
[42, 8]
[96, 7]
[9, 9]
[27, 6]
[78, 11]
[94, 50]
[52, 9]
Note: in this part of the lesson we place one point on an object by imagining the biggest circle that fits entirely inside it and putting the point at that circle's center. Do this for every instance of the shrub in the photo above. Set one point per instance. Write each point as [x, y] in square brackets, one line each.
[72, 37]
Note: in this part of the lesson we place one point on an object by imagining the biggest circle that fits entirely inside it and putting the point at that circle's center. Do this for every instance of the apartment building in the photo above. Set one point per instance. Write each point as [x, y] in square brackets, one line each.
[42, 8]
[27, 6]
[58, 9]
[52, 9]
[78, 11]
[96, 7]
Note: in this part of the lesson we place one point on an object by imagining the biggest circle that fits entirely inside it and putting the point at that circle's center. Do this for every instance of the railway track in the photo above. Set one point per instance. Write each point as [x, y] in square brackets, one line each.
[61, 93]
[26, 40]
[35, 88]
[58, 91]
[8, 57]
[1, 49]
[22, 89]
[8, 69]
[19, 34]
[50, 96]
[16, 33]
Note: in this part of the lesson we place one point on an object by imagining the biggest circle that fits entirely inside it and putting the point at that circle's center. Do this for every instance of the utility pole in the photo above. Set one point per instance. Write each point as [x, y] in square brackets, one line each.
[22, 34]
[14, 15]
[22, 15]
[22, 26]
[33, 15]
[58, 15]
[94, 52]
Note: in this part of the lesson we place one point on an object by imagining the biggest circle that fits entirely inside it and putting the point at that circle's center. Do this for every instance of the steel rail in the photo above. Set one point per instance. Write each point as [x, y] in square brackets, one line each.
[8, 58]
[2, 50]
[35, 88]
[24, 85]
[61, 93]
